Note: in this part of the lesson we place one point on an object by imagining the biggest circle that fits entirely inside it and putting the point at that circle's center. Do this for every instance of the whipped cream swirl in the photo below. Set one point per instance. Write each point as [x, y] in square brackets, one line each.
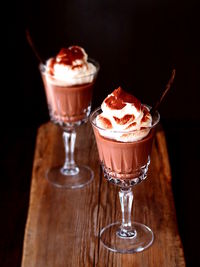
[123, 117]
[71, 67]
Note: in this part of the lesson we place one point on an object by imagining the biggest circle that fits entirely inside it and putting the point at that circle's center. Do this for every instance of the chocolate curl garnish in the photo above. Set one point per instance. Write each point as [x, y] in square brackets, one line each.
[30, 41]
[167, 87]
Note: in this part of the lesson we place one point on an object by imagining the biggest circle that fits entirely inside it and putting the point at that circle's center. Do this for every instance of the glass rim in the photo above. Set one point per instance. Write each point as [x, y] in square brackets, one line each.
[93, 115]
[42, 68]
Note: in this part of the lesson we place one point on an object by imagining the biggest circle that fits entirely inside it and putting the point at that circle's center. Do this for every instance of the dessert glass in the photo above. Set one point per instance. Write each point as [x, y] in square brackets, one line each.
[69, 107]
[125, 164]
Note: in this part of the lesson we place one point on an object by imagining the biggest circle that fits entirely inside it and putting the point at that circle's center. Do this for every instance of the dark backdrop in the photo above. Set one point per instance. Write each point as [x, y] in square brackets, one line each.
[137, 43]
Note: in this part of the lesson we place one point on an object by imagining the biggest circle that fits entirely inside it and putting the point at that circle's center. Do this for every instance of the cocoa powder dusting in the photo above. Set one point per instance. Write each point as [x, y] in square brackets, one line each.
[127, 98]
[67, 56]
[107, 123]
[131, 125]
[124, 120]
[119, 98]
[146, 114]
[114, 103]
[51, 65]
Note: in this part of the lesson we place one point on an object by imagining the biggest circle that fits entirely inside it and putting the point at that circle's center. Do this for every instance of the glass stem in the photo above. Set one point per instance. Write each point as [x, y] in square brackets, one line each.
[69, 167]
[126, 201]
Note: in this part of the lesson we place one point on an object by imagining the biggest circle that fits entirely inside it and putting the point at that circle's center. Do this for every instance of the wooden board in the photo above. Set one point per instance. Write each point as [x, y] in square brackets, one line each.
[63, 226]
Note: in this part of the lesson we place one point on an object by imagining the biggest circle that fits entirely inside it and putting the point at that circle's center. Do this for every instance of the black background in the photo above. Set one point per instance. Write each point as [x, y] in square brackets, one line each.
[137, 43]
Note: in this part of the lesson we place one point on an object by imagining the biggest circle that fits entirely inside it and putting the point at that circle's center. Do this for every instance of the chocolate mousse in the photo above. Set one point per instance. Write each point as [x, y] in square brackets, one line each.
[124, 131]
[124, 159]
[68, 80]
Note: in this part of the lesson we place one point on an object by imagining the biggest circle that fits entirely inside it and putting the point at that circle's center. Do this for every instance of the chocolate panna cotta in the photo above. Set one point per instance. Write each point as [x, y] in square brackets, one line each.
[68, 103]
[124, 131]
[68, 80]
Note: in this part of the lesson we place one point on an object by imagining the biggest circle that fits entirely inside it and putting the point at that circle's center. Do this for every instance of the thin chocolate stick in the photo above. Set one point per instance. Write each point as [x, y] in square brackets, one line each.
[30, 41]
[167, 87]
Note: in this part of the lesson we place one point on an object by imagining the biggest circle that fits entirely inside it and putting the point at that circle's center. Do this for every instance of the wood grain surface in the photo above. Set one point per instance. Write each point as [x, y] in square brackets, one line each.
[63, 226]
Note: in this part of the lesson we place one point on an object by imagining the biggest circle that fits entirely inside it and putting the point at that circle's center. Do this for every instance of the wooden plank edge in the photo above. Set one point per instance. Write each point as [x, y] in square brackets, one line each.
[161, 145]
[39, 136]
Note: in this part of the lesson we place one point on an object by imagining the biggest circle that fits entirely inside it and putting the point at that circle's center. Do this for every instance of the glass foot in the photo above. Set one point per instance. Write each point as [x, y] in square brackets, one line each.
[83, 176]
[141, 239]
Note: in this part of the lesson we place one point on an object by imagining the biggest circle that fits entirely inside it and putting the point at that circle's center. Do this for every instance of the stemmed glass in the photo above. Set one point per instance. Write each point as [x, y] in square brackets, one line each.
[69, 107]
[125, 164]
